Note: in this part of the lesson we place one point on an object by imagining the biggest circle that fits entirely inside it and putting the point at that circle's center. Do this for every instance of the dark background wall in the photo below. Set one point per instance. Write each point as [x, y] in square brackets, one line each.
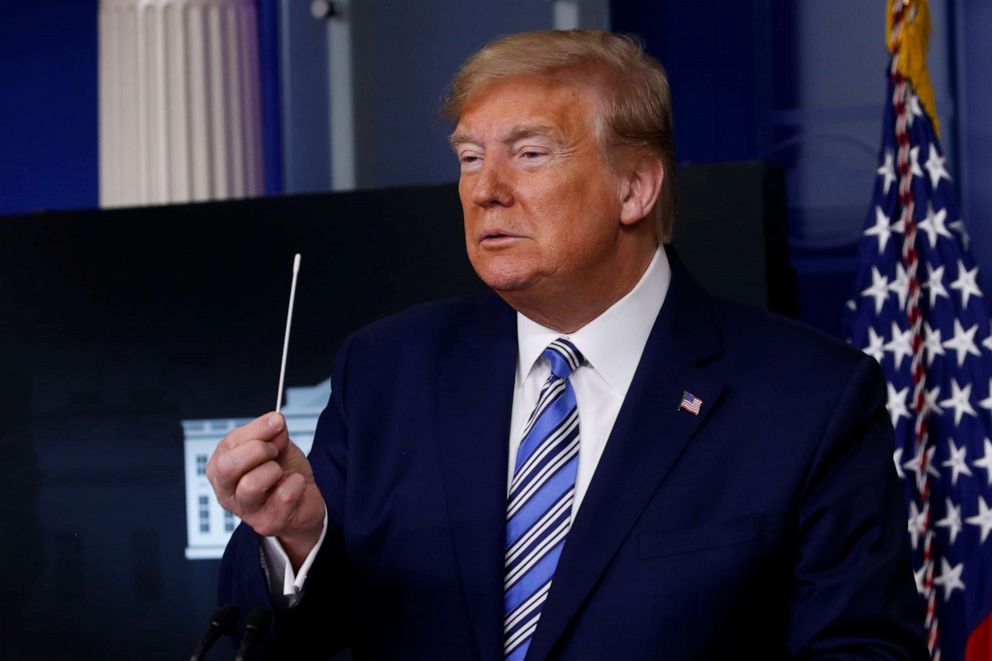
[132, 327]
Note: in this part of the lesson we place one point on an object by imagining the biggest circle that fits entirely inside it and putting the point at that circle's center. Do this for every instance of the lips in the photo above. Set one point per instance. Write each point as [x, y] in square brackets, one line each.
[497, 234]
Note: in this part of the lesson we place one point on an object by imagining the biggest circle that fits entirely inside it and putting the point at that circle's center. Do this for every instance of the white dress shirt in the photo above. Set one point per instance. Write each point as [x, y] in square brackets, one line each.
[611, 344]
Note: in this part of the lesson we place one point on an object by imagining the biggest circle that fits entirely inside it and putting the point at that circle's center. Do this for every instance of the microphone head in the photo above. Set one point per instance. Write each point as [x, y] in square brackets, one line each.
[259, 619]
[225, 617]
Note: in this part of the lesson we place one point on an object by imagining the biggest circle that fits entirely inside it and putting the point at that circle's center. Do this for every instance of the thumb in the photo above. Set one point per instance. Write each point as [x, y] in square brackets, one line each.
[277, 421]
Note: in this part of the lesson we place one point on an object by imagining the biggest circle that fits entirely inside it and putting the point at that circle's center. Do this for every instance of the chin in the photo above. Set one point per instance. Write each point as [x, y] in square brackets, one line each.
[501, 277]
[505, 283]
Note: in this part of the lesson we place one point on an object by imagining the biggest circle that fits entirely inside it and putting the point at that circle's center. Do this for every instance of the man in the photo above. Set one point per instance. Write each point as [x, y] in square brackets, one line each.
[697, 479]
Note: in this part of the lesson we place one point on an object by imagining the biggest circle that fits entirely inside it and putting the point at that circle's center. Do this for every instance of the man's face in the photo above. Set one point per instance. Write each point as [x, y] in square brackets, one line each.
[542, 209]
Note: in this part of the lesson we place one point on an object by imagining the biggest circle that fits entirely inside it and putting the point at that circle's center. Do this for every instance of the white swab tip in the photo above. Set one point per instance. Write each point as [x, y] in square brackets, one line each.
[296, 263]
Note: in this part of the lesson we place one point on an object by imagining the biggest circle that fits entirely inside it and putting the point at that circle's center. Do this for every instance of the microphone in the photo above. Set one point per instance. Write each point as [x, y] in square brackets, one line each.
[221, 622]
[257, 623]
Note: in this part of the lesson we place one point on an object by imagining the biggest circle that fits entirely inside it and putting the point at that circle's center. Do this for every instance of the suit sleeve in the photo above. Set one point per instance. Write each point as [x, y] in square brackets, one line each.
[320, 624]
[853, 595]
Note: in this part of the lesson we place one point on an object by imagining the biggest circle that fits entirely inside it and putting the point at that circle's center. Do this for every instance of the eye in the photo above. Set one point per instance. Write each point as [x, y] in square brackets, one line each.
[532, 154]
[469, 159]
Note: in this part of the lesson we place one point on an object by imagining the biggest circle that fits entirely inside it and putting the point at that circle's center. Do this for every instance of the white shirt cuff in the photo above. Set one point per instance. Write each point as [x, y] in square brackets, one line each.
[287, 591]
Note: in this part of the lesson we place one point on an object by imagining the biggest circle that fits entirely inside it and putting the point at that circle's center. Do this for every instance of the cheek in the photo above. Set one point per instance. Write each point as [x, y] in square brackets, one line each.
[577, 216]
[463, 197]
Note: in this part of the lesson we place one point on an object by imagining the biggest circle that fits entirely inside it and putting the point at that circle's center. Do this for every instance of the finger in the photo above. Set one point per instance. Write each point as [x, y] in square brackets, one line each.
[254, 487]
[307, 514]
[288, 494]
[226, 468]
[276, 517]
[267, 427]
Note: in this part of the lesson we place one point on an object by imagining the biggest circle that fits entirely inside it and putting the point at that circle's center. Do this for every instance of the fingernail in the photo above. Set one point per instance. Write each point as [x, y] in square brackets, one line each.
[275, 421]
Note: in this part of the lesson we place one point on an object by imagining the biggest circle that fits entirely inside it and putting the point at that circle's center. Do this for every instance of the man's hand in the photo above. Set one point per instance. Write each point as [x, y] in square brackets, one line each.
[261, 476]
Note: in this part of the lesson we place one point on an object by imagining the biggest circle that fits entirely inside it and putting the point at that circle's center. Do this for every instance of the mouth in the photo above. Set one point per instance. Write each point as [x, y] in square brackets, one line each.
[497, 236]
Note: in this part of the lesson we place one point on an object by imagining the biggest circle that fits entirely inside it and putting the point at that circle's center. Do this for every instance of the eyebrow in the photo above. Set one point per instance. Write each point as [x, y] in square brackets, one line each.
[456, 139]
[516, 133]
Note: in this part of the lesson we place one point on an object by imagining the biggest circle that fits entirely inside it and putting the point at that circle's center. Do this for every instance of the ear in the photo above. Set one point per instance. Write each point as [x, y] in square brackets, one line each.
[642, 188]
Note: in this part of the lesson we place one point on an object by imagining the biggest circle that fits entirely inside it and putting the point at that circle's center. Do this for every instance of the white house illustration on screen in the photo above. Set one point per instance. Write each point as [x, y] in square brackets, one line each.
[208, 526]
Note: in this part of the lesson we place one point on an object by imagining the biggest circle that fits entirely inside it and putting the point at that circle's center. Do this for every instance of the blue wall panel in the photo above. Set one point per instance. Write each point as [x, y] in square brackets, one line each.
[268, 55]
[729, 64]
[974, 129]
[48, 105]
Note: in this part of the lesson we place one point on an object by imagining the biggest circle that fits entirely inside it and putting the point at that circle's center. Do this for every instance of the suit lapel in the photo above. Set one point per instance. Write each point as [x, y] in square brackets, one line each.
[474, 401]
[648, 437]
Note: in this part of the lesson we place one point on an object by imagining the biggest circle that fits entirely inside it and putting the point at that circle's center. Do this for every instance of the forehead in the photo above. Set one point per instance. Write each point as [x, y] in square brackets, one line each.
[560, 105]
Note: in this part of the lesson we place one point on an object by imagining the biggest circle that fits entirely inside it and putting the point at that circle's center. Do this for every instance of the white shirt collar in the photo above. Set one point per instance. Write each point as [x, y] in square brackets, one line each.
[613, 342]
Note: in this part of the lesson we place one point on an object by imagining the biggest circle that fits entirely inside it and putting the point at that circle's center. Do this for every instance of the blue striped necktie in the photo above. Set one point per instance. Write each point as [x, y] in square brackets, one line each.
[539, 506]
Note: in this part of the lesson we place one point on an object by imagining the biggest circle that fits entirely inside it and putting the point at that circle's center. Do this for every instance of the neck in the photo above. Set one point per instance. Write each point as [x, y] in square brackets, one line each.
[569, 310]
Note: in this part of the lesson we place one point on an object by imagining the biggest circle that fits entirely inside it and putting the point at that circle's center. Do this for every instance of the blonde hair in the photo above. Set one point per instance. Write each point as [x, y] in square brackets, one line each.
[637, 107]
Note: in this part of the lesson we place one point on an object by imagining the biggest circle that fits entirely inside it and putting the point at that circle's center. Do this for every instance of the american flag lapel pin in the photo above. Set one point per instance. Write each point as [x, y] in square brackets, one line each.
[690, 403]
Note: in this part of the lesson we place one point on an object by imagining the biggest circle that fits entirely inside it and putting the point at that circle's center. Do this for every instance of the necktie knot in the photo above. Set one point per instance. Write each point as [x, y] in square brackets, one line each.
[564, 358]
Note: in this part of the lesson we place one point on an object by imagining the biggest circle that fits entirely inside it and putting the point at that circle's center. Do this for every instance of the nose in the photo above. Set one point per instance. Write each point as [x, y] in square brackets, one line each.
[492, 186]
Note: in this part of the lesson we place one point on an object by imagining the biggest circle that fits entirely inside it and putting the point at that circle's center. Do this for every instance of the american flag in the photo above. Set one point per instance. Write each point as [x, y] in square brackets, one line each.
[690, 403]
[919, 311]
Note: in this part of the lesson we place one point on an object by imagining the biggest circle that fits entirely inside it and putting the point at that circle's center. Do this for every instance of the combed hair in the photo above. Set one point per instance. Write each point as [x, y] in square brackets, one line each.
[637, 107]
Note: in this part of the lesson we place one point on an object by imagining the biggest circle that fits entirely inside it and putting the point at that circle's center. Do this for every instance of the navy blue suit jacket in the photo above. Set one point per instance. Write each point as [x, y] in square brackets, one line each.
[772, 523]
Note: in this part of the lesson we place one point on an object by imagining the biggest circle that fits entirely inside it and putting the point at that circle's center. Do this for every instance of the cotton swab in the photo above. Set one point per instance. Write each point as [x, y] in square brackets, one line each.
[289, 323]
